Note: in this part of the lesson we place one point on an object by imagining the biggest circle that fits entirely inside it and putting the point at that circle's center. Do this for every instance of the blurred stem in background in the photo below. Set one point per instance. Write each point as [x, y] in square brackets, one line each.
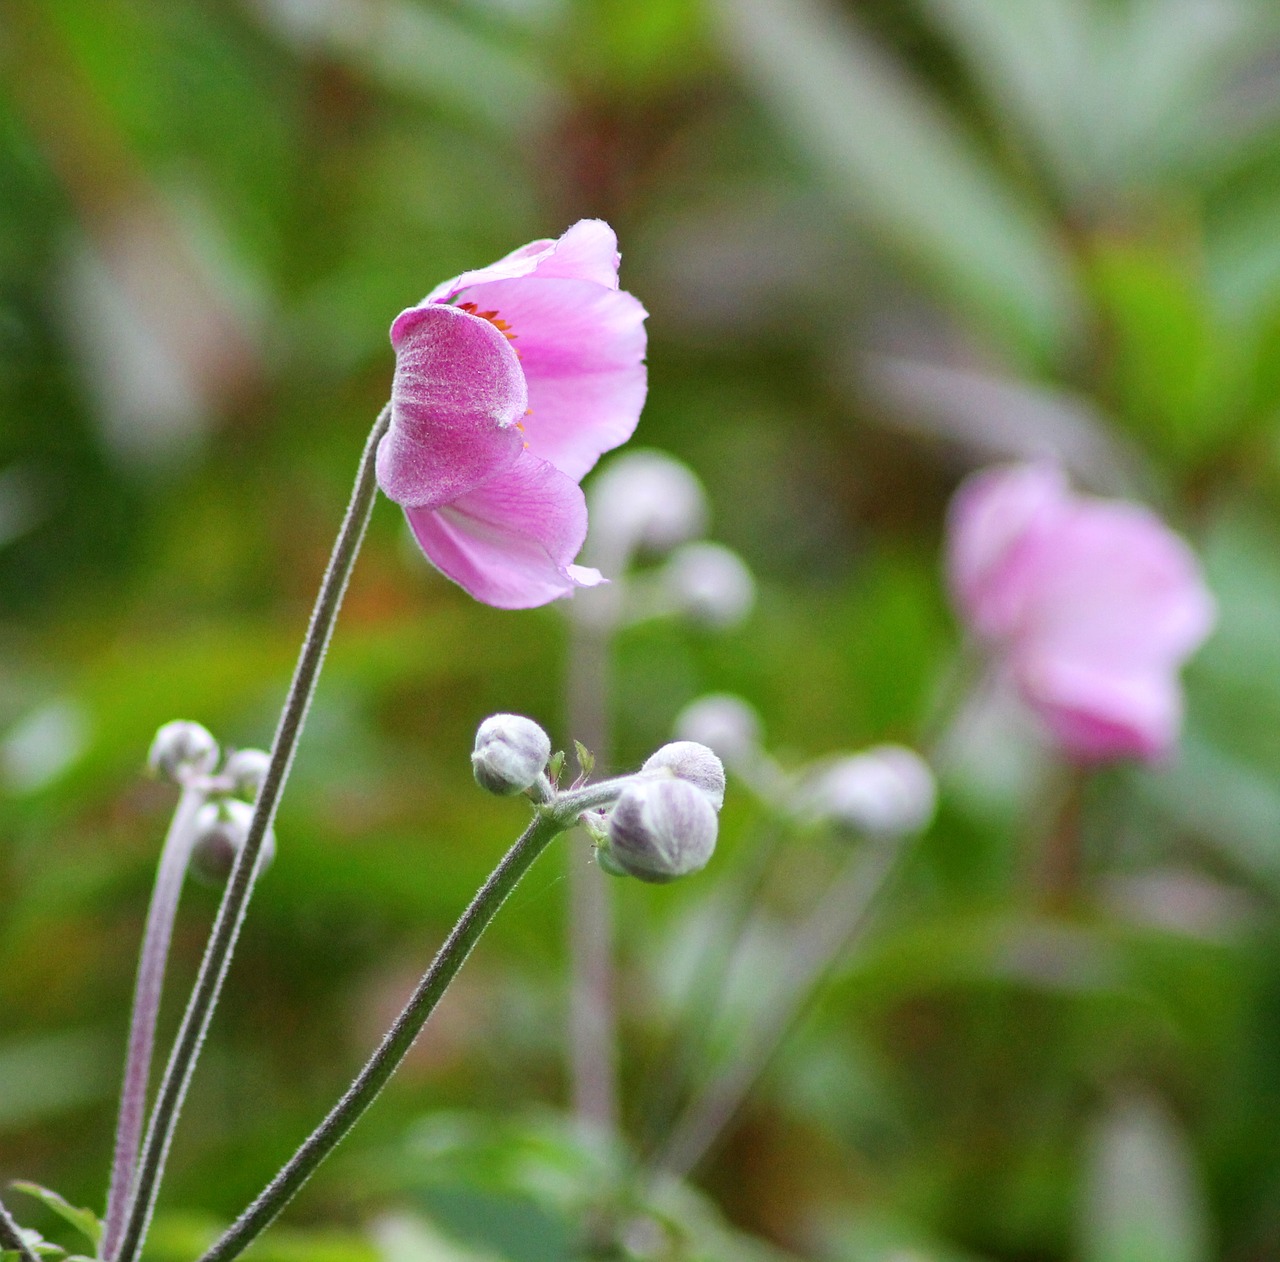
[592, 1024]
[235, 901]
[838, 920]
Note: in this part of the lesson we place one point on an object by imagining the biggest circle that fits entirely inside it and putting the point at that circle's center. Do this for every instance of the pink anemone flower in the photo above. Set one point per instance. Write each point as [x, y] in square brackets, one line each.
[1090, 606]
[510, 382]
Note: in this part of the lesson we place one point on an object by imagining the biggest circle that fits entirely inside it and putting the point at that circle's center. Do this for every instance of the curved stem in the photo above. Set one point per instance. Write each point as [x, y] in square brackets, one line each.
[394, 1047]
[231, 911]
[11, 1236]
[161, 914]
[838, 918]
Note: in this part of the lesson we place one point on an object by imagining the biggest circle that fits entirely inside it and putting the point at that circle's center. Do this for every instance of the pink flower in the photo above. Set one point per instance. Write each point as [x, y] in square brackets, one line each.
[1090, 605]
[510, 383]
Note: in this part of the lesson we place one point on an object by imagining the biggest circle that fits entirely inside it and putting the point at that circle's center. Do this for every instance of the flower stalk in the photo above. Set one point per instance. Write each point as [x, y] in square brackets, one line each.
[152, 960]
[835, 923]
[231, 911]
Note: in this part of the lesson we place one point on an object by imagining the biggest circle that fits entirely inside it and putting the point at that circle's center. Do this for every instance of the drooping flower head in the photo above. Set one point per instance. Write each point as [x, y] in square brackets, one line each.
[1091, 606]
[510, 383]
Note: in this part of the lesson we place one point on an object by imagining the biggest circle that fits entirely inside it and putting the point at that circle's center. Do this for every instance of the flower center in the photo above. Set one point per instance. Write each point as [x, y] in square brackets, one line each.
[492, 316]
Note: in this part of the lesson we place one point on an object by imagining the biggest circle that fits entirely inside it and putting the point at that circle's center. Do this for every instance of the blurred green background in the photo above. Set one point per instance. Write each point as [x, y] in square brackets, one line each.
[882, 242]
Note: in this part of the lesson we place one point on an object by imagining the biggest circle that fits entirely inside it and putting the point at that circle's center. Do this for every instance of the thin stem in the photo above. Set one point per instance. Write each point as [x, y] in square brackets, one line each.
[161, 914]
[231, 911]
[691, 1035]
[592, 1039]
[11, 1236]
[395, 1046]
[839, 917]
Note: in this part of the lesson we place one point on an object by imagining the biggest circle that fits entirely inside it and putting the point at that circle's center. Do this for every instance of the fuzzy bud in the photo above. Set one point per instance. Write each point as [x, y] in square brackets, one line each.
[220, 832]
[182, 749]
[710, 584]
[644, 500]
[660, 830]
[885, 791]
[246, 769]
[688, 760]
[726, 724]
[510, 754]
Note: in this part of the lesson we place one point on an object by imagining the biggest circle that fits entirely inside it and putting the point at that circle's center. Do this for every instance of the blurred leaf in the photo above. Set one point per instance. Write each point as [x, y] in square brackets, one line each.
[1179, 379]
[44, 1075]
[898, 160]
[83, 1220]
[1142, 1199]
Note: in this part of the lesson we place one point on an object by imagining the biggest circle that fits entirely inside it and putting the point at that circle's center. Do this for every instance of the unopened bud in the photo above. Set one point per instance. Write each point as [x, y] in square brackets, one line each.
[221, 829]
[660, 830]
[710, 584]
[688, 760]
[511, 752]
[724, 723]
[886, 791]
[644, 500]
[182, 748]
[246, 769]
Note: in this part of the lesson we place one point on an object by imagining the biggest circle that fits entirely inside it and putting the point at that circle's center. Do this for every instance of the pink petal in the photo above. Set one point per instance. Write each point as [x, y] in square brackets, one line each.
[586, 251]
[1117, 590]
[1096, 715]
[456, 398]
[994, 527]
[582, 350]
[510, 541]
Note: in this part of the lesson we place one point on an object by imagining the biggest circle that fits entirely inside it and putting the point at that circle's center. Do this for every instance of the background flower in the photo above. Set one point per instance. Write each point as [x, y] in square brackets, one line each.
[1092, 605]
[510, 382]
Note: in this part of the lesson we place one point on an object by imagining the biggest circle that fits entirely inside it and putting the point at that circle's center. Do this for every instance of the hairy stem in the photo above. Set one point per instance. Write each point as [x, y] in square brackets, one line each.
[592, 1040]
[170, 873]
[835, 922]
[394, 1047]
[226, 926]
[11, 1236]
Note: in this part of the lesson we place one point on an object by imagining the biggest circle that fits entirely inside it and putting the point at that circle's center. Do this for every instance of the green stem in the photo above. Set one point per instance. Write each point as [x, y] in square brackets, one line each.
[226, 927]
[395, 1046]
[11, 1236]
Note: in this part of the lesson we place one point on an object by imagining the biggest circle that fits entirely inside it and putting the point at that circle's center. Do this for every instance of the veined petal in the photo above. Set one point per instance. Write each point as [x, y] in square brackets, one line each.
[586, 251]
[456, 398]
[511, 541]
[582, 348]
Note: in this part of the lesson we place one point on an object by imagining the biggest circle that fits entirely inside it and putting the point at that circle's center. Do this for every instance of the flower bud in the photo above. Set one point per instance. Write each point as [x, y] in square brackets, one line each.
[510, 754]
[886, 791]
[644, 500]
[710, 584]
[182, 748]
[687, 760]
[660, 830]
[220, 832]
[725, 723]
[246, 769]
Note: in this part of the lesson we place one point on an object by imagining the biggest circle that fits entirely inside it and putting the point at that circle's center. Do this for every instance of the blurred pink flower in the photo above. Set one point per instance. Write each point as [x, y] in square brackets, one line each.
[510, 383]
[1091, 606]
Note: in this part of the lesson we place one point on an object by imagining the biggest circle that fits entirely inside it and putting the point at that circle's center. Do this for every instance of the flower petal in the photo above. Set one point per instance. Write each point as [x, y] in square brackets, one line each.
[1096, 715]
[456, 398]
[996, 522]
[582, 350]
[586, 251]
[510, 541]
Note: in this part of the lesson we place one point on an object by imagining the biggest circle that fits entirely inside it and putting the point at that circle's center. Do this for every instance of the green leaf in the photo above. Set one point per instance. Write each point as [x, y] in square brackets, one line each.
[85, 1221]
[555, 766]
[899, 161]
[586, 759]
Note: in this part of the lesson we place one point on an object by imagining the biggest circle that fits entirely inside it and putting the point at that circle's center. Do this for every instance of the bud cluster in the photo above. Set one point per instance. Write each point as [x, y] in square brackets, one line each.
[187, 753]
